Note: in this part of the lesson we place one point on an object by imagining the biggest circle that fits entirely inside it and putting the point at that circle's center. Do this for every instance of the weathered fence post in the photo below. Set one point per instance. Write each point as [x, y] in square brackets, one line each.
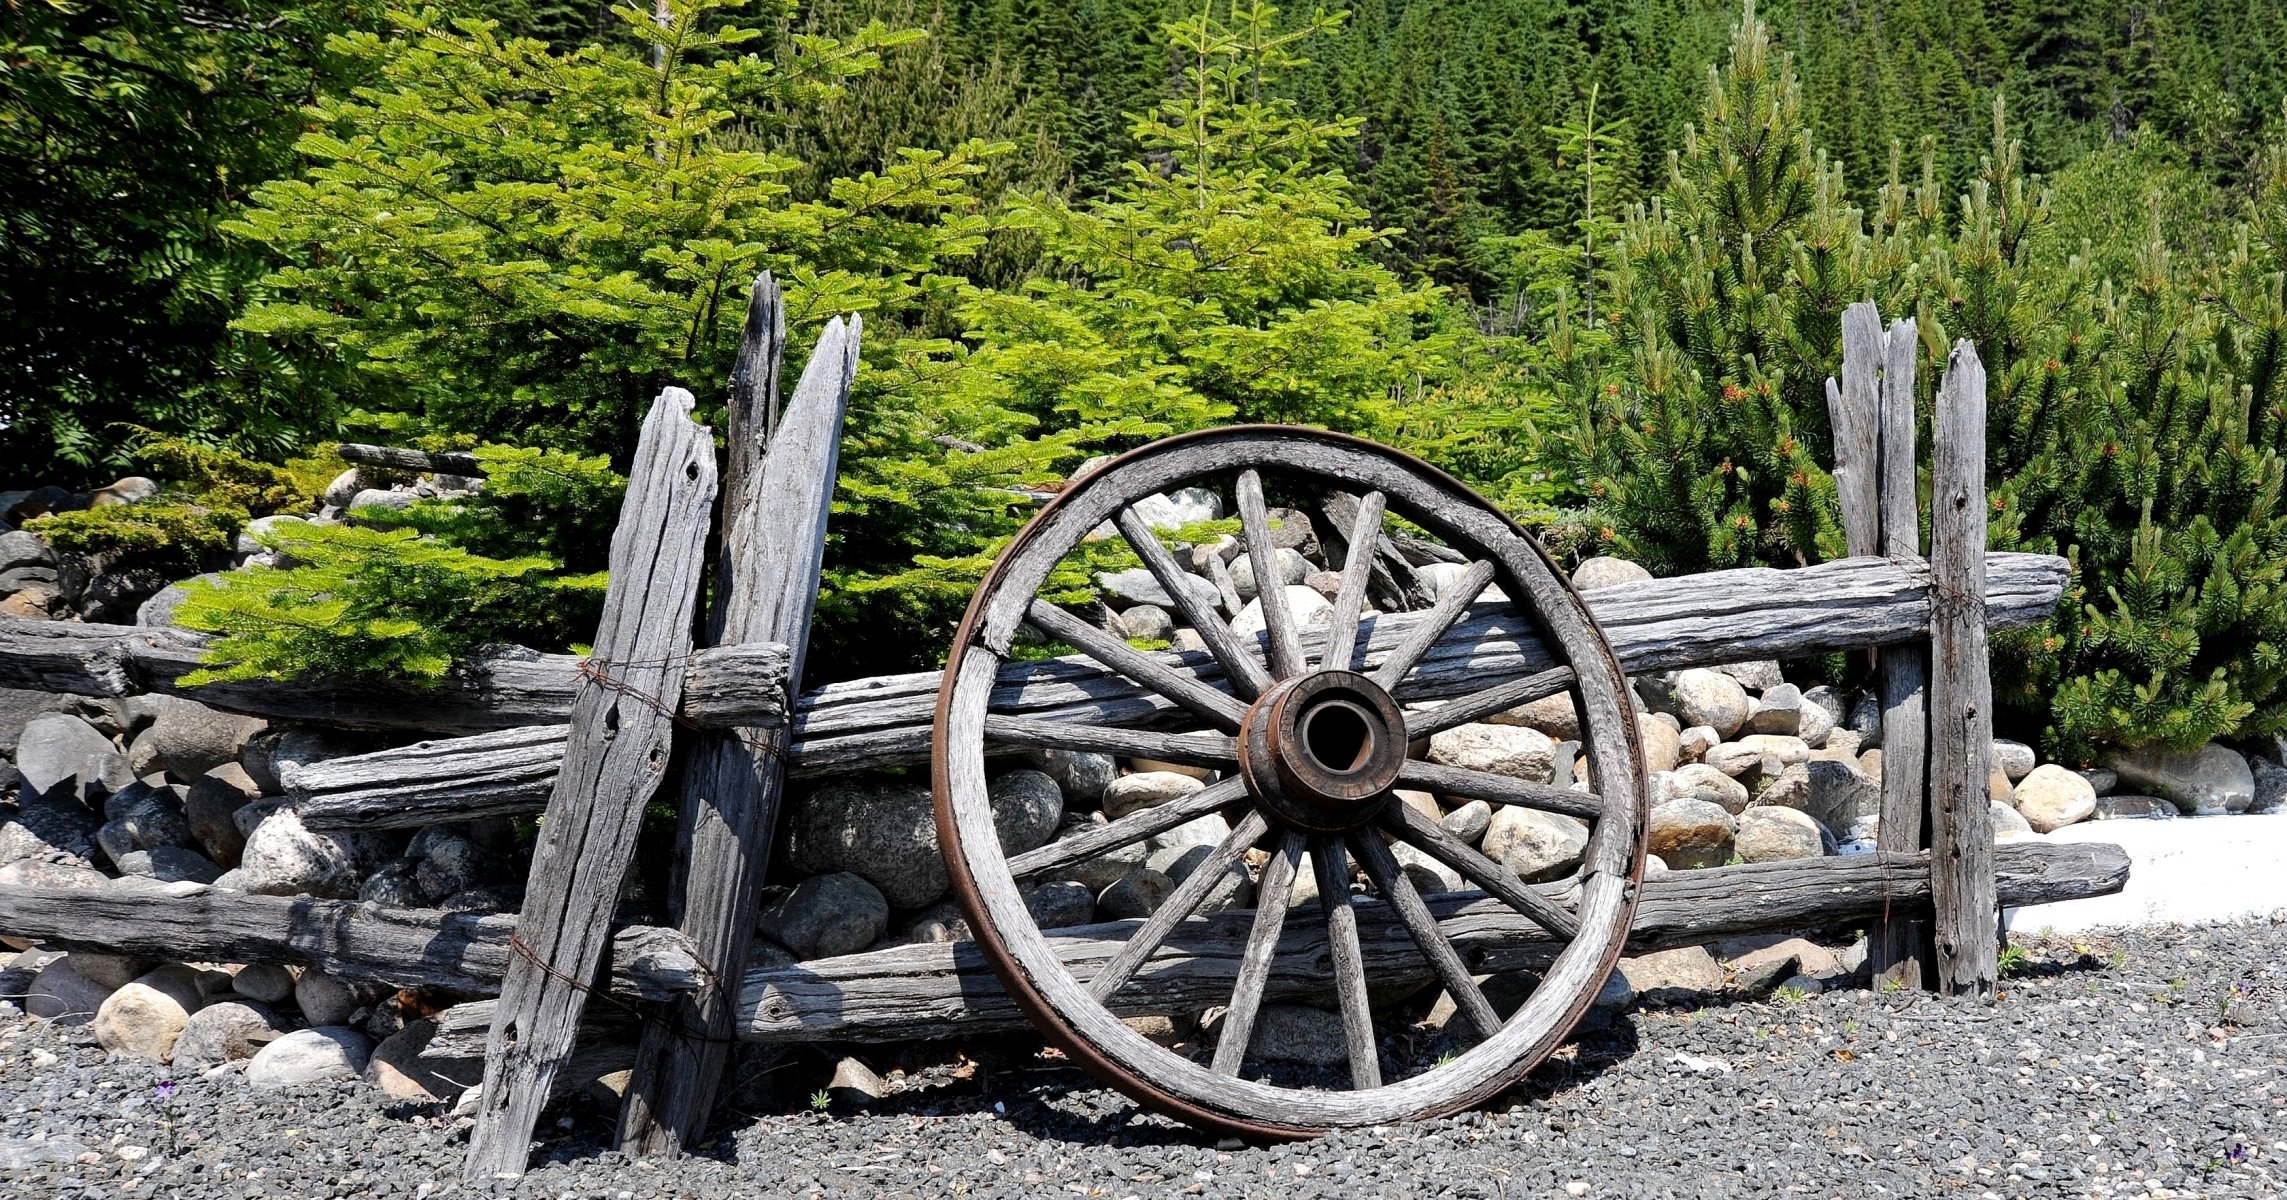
[774, 516]
[621, 735]
[1961, 689]
[1899, 945]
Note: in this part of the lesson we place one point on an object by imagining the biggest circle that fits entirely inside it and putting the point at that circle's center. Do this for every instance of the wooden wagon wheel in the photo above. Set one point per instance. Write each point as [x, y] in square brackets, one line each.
[1310, 731]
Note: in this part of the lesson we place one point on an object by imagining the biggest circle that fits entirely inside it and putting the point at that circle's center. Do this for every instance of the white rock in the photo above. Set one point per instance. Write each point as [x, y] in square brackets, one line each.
[309, 1056]
[2015, 759]
[1689, 834]
[1604, 571]
[1511, 750]
[1693, 744]
[1535, 845]
[1307, 607]
[143, 1019]
[1710, 698]
[1468, 822]
[1147, 789]
[1771, 833]
[1698, 781]
[2050, 797]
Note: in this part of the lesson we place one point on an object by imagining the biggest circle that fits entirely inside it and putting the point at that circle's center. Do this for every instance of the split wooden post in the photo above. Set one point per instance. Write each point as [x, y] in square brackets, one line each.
[622, 732]
[1899, 946]
[1961, 690]
[774, 540]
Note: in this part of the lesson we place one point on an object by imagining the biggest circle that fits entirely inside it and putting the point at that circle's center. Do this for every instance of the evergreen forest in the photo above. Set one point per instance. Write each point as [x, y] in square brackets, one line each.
[1589, 255]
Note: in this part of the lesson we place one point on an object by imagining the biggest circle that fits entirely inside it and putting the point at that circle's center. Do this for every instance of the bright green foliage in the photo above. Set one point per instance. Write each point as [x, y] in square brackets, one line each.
[1228, 277]
[562, 506]
[174, 532]
[528, 243]
[366, 604]
[206, 495]
[128, 131]
[1708, 446]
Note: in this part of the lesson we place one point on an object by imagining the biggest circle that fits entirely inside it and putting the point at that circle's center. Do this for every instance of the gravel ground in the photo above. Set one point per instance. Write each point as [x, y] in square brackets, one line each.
[2138, 1064]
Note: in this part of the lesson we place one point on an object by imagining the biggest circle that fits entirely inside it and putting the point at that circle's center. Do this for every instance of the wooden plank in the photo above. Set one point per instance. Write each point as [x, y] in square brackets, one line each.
[1854, 411]
[345, 939]
[940, 990]
[1897, 946]
[400, 459]
[622, 733]
[765, 589]
[1961, 689]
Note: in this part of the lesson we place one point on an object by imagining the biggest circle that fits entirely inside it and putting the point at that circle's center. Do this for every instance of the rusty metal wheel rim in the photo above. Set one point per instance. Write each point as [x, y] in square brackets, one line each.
[1063, 1007]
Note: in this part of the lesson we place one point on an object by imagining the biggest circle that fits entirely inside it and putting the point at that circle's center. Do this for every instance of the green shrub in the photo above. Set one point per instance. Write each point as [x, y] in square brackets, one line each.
[172, 531]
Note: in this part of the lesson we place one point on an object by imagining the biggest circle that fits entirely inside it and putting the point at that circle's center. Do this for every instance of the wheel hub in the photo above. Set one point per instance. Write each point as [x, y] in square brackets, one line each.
[1320, 751]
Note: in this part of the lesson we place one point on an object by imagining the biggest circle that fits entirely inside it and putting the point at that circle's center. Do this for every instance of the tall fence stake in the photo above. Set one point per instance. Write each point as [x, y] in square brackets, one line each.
[621, 735]
[1961, 689]
[1899, 947]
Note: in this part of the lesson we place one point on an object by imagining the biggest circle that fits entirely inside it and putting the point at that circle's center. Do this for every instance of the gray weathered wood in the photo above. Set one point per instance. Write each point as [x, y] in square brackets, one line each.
[1238, 664]
[1658, 625]
[1405, 903]
[1498, 789]
[1270, 588]
[1347, 961]
[1498, 881]
[1179, 905]
[1256, 957]
[1128, 830]
[1433, 626]
[1155, 673]
[345, 939]
[1854, 411]
[765, 589]
[1896, 946]
[934, 990]
[1341, 645]
[622, 733]
[400, 459]
[503, 688]
[1961, 689]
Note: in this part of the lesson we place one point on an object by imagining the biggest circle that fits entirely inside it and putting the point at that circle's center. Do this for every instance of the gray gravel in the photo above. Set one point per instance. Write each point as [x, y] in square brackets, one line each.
[2141, 1064]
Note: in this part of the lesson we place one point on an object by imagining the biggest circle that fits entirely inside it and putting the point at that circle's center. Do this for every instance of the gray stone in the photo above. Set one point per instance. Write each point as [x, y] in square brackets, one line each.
[1689, 834]
[309, 1056]
[282, 857]
[1693, 744]
[884, 831]
[55, 748]
[143, 1018]
[226, 1031]
[2102, 780]
[1178, 862]
[495, 898]
[1307, 607]
[28, 873]
[1761, 675]
[1060, 904]
[1534, 845]
[1822, 714]
[1293, 569]
[110, 970]
[1170, 511]
[2014, 759]
[52, 827]
[1511, 750]
[271, 761]
[1604, 571]
[1429, 876]
[447, 863]
[1835, 793]
[266, 982]
[826, 915]
[1779, 710]
[250, 537]
[379, 498]
[19, 706]
[170, 864]
[1027, 806]
[1711, 698]
[398, 1071]
[1681, 975]
[1469, 821]
[1149, 622]
[1081, 776]
[1552, 715]
[1698, 781]
[1147, 789]
[1865, 720]
[855, 1084]
[188, 739]
[1771, 833]
[2008, 822]
[126, 490]
[2050, 797]
[323, 999]
[1137, 585]
[61, 994]
[21, 549]
[395, 885]
[343, 491]
[114, 597]
[2124, 807]
[210, 806]
[1139, 893]
[2212, 779]
[2270, 784]
[1298, 1033]
[146, 816]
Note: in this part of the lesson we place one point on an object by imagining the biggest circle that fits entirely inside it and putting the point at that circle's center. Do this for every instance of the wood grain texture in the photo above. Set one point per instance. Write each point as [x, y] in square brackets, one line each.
[1341, 645]
[1347, 961]
[1854, 411]
[1257, 955]
[1270, 590]
[622, 734]
[765, 590]
[1238, 663]
[1897, 947]
[345, 939]
[1966, 921]
[401, 459]
[946, 990]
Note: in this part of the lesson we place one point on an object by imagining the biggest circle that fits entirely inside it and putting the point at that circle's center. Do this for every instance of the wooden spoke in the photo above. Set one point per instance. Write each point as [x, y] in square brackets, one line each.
[1134, 827]
[1188, 895]
[1342, 632]
[1383, 868]
[1460, 595]
[1191, 749]
[1479, 705]
[1498, 881]
[1499, 789]
[1185, 689]
[1271, 894]
[1247, 676]
[1348, 960]
[1270, 586]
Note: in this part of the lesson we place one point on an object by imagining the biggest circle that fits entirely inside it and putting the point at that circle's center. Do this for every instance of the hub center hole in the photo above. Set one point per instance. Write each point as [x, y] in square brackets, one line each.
[1339, 735]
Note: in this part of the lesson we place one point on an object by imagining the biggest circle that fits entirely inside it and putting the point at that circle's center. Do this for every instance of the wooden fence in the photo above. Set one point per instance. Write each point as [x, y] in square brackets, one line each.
[587, 741]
